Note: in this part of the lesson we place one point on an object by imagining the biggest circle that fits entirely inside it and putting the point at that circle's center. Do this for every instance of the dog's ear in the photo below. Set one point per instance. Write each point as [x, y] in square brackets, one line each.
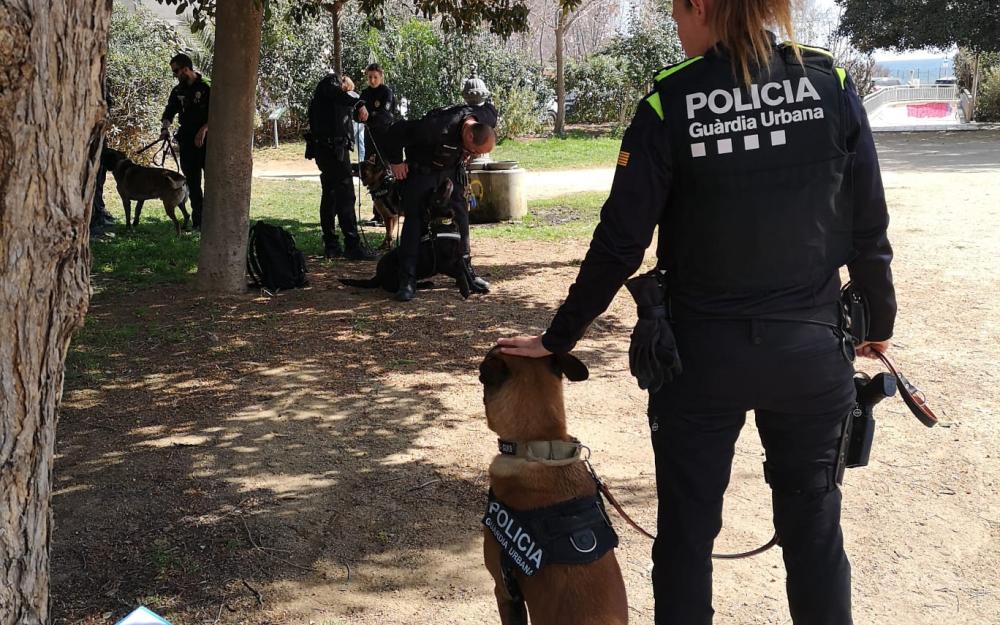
[570, 366]
[493, 371]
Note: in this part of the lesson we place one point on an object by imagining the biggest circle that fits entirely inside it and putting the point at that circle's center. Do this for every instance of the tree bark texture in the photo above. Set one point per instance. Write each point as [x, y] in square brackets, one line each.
[229, 162]
[336, 11]
[52, 55]
[561, 27]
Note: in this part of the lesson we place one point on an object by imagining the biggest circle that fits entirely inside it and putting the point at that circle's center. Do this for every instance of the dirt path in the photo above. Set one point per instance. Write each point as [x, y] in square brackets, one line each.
[327, 448]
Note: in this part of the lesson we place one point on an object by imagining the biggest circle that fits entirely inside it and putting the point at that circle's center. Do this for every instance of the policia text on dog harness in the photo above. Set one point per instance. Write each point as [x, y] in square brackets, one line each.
[577, 531]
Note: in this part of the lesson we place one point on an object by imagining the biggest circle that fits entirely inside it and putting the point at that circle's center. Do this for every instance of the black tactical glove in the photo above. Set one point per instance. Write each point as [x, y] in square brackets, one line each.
[652, 356]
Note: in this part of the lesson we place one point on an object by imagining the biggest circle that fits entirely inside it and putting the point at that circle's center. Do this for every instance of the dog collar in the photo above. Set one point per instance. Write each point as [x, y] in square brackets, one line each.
[553, 453]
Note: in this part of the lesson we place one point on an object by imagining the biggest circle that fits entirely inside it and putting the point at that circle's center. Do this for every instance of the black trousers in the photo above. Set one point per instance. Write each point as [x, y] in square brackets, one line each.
[416, 189]
[337, 200]
[192, 160]
[798, 382]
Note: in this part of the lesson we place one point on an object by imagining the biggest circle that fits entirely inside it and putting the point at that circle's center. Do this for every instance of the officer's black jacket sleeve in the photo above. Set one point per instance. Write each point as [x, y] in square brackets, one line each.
[173, 107]
[628, 219]
[870, 270]
[406, 133]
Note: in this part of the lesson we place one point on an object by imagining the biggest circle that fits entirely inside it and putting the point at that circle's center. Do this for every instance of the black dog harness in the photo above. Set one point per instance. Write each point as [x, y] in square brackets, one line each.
[577, 531]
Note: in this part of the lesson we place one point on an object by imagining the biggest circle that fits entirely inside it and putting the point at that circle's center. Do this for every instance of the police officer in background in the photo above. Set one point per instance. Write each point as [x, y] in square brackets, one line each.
[764, 180]
[437, 147]
[381, 105]
[331, 112]
[189, 99]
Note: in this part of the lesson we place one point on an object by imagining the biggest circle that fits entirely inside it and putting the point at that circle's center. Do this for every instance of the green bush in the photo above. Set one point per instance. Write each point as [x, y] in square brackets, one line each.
[521, 116]
[988, 106]
[427, 67]
[293, 59]
[600, 90]
[139, 50]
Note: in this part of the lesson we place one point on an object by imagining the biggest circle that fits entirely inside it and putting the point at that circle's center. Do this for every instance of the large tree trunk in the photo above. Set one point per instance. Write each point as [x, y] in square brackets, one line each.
[560, 128]
[52, 56]
[229, 163]
[338, 45]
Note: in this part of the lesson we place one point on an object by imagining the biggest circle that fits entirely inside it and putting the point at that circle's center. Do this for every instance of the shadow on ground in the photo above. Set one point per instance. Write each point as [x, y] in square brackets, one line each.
[209, 448]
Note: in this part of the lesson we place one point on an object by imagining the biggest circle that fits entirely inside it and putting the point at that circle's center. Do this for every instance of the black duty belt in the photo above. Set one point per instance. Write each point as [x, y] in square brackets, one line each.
[572, 532]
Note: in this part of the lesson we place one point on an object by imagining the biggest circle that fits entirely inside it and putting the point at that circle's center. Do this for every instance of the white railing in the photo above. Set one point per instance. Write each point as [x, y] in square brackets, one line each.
[889, 95]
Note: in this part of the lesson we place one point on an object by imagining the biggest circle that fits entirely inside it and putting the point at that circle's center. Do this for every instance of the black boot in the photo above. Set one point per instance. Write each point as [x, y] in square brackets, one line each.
[407, 290]
[333, 250]
[477, 284]
[356, 252]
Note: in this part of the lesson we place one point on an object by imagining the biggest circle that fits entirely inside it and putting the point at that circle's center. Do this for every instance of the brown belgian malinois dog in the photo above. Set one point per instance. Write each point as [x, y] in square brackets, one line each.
[540, 469]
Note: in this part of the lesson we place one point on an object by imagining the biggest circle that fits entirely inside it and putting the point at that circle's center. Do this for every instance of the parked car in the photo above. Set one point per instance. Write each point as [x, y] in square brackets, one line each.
[884, 82]
[552, 107]
[947, 80]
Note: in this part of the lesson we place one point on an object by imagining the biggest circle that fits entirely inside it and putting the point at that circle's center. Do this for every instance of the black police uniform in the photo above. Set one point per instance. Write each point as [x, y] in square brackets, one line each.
[331, 112]
[760, 196]
[434, 152]
[191, 102]
[381, 105]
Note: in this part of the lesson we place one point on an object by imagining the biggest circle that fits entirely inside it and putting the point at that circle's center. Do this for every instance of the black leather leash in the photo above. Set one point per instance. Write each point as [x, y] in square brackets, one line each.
[603, 488]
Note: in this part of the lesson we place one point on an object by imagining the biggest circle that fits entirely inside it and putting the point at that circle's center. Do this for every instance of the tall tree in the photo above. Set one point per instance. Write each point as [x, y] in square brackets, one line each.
[52, 113]
[229, 160]
[567, 13]
[915, 24]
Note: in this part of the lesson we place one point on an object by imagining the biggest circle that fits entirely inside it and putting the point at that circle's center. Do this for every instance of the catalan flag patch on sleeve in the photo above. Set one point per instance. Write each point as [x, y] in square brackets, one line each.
[623, 157]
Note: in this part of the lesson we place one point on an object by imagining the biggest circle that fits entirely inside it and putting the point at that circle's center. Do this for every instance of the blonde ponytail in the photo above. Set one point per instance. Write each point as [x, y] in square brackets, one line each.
[741, 26]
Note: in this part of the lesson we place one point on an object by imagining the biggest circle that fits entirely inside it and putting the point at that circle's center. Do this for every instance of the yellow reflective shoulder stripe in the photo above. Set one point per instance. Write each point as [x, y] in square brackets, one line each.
[676, 68]
[656, 104]
[810, 48]
[842, 75]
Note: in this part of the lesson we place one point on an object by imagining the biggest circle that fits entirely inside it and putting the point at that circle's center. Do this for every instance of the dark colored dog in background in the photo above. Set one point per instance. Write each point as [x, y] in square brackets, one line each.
[439, 253]
[140, 183]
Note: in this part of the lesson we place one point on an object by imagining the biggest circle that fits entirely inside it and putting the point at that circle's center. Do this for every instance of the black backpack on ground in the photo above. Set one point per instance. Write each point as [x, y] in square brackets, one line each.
[273, 261]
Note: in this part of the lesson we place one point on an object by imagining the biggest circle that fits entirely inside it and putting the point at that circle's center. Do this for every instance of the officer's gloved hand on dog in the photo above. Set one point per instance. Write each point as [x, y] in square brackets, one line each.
[652, 356]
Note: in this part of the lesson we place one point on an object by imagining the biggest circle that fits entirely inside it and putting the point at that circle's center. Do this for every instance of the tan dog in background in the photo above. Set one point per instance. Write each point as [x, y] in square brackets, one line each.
[387, 207]
[141, 183]
[524, 402]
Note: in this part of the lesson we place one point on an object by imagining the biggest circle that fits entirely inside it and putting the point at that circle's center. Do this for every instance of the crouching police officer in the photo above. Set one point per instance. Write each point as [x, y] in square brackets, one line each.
[437, 148]
[330, 139]
[190, 99]
[764, 181]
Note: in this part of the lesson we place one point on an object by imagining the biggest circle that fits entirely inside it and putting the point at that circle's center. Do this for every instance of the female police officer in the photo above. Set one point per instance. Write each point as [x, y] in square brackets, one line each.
[756, 161]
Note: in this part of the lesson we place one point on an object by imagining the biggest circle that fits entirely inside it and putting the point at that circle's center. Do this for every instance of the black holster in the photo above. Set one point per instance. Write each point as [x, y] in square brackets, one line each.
[854, 316]
[859, 427]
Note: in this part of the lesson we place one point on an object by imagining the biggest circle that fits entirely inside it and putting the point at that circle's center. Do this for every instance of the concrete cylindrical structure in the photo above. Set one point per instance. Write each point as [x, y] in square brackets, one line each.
[500, 195]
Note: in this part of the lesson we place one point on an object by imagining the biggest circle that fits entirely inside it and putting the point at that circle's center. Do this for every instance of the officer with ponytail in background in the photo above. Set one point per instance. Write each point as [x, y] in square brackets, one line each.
[756, 161]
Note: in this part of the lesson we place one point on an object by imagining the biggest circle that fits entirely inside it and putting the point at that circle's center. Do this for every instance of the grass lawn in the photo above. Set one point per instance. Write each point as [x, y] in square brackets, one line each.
[576, 151]
[154, 255]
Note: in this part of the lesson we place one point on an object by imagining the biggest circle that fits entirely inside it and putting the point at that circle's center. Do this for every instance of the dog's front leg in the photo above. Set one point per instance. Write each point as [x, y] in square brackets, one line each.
[138, 211]
[511, 612]
[127, 205]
